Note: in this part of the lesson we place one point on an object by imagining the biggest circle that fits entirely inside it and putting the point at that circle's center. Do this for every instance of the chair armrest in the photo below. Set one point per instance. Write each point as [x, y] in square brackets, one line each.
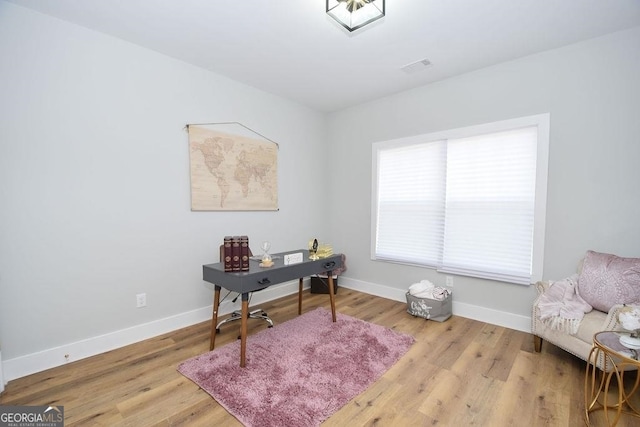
[611, 323]
[542, 286]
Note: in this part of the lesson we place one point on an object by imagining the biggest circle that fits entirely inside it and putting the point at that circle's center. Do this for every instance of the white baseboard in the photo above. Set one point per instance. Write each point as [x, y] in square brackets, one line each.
[50, 358]
[475, 312]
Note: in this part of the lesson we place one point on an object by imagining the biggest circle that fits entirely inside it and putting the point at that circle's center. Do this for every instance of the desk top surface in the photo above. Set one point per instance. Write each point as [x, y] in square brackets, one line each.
[260, 277]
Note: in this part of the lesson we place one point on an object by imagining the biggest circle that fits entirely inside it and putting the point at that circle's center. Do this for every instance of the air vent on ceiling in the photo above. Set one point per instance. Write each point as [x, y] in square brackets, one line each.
[414, 67]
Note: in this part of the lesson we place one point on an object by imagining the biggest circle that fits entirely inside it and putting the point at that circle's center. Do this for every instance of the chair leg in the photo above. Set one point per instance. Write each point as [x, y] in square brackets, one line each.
[537, 343]
[255, 314]
[261, 315]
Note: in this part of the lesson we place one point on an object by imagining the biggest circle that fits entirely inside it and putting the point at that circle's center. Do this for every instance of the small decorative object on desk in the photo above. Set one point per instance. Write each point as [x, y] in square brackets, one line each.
[629, 318]
[266, 260]
[235, 254]
[244, 253]
[227, 254]
[324, 250]
[313, 249]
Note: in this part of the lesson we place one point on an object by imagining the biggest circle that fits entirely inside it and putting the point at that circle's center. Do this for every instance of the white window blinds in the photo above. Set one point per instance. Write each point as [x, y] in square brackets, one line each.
[470, 203]
[489, 209]
[411, 196]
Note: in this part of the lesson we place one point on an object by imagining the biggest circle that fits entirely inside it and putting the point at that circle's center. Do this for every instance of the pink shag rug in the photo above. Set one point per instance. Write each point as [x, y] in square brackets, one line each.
[300, 372]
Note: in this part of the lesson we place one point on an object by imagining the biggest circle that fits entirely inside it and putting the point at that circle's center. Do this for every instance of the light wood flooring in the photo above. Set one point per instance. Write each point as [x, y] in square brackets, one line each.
[458, 373]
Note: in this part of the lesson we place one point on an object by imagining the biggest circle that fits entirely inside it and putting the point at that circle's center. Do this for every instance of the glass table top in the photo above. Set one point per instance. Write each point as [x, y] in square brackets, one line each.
[611, 340]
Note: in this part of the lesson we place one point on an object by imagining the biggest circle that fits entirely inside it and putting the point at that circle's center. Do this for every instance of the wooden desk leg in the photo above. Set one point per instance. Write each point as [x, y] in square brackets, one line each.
[300, 296]
[243, 329]
[332, 296]
[214, 317]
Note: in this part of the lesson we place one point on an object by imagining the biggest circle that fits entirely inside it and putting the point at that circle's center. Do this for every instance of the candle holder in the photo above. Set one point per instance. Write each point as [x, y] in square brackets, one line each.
[266, 246]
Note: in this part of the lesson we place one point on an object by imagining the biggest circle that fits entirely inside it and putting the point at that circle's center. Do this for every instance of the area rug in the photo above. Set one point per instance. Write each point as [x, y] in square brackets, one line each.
[299, 372]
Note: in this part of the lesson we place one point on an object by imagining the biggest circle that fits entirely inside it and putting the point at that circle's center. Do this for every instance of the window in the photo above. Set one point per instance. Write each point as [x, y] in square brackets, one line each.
[468, 201]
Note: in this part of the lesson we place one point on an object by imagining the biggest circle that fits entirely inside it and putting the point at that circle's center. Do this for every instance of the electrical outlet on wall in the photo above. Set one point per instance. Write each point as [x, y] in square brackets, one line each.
[141, 300]
[449, 281]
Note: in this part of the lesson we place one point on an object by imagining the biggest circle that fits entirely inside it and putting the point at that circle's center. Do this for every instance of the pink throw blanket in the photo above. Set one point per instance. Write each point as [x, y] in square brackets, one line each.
[561, 307]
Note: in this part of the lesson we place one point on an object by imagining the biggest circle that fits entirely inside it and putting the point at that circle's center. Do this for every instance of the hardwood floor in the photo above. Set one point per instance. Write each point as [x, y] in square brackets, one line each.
[458, 373]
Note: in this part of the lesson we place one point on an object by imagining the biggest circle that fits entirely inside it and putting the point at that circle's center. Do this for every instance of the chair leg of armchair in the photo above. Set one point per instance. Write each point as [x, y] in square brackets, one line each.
[537, 343]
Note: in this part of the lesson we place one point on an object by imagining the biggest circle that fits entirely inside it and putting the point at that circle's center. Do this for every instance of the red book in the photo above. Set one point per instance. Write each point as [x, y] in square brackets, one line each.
[227, 254]
[244, 253]
[235, 253]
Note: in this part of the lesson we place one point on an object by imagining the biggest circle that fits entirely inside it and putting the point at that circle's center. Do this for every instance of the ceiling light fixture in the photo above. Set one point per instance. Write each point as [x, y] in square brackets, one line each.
[354, 14]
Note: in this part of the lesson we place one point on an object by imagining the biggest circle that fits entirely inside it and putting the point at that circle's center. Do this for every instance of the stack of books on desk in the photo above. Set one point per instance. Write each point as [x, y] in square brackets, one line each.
[324, 250]
[236, 253]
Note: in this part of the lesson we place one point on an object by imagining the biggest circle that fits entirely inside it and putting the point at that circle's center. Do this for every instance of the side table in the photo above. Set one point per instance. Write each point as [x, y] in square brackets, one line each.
[607, 363]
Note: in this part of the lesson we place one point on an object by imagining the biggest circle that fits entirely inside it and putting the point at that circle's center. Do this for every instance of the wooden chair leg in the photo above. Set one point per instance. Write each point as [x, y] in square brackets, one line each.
[537, 343]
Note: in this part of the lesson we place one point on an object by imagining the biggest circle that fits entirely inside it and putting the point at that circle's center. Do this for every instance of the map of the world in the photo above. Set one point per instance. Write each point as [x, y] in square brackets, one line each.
[231, 172]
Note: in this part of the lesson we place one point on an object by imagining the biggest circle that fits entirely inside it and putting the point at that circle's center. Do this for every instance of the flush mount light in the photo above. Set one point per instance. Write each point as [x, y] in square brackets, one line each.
[354, 14]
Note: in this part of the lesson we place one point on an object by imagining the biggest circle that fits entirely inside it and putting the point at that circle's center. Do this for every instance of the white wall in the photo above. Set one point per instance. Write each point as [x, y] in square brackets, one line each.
[94, 184]
[1, 375]
[592, 93]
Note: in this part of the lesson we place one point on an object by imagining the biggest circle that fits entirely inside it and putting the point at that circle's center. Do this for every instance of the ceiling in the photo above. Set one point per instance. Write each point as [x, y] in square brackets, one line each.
[292, 49]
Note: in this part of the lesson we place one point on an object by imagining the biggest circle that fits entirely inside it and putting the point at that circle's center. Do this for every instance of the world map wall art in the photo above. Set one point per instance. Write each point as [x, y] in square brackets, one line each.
[232, 169]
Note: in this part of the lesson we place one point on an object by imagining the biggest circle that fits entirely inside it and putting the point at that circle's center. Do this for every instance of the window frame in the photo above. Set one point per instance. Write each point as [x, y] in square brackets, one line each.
[541, 121]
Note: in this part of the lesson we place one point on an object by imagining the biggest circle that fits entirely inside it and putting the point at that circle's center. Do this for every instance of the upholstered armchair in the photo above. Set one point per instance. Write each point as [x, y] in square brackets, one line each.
[603, 284]
[578, 344]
